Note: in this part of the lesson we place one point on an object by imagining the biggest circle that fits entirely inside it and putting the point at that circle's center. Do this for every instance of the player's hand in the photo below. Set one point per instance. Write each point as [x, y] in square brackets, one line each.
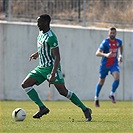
[33, 56]
[120, 59]
[108, 55]
[51, 79]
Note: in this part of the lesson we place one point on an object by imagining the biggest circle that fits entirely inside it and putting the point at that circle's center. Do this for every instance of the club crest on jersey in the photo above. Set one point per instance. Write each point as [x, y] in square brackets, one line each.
[54, 44]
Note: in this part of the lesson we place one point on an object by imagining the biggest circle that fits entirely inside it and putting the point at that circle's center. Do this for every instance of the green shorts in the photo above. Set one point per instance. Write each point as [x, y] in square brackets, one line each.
[43, 73]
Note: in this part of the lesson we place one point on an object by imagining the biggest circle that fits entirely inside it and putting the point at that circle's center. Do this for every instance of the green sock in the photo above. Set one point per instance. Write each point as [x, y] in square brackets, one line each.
[34, 97]
[74, 99]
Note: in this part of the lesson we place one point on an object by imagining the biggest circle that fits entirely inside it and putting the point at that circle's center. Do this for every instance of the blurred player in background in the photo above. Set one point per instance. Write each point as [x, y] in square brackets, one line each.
[108, 50]
[49, 69]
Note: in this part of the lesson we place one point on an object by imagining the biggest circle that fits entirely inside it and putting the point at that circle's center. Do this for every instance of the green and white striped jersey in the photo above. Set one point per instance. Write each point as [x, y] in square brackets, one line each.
[46, 42]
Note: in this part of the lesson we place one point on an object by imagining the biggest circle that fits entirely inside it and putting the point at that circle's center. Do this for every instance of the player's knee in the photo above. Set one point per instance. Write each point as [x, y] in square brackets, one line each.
[24, 85]
[117, 78]
[101, 82]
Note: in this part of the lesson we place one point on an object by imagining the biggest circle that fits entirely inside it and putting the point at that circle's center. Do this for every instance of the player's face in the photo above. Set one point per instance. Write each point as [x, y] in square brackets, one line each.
[41, 24]
[112, 34]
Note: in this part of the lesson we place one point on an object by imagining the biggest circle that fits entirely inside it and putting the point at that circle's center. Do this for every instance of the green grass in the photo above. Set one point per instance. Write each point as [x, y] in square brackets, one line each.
[64, 117]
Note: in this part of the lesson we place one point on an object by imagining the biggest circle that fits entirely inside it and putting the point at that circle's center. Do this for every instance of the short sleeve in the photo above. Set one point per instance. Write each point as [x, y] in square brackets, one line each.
[102, 45]
[52, 41]
[119, 42]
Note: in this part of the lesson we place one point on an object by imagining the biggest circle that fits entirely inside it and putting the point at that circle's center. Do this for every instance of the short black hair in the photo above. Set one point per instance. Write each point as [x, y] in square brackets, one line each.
[113, 28]
[45, 17]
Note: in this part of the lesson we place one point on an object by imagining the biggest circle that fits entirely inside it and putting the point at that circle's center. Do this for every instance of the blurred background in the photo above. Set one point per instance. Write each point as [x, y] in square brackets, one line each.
[80, 26]
[100, 13]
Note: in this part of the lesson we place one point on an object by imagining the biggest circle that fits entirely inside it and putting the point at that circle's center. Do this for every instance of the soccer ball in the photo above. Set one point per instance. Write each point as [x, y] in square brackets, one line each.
[19, 114]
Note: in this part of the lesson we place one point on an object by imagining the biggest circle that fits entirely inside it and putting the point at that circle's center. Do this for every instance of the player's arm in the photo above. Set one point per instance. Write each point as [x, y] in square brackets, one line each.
[100, 53]
[34, 56]
[121, 52]
[56, 54]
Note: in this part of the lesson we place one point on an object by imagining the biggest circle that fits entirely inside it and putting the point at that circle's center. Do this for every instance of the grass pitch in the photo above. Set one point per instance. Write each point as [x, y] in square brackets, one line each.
[64, 117]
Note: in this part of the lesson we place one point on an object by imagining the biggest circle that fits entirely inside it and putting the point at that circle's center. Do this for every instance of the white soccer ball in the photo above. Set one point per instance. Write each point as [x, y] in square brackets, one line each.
[19, 114]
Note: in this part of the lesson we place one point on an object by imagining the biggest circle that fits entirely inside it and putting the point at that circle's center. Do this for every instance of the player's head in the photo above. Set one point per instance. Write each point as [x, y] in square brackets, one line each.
[43, 21]
[112, 33]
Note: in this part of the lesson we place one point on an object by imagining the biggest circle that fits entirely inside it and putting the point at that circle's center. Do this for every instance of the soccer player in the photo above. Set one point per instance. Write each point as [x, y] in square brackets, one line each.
[49, 69]
[108, 50]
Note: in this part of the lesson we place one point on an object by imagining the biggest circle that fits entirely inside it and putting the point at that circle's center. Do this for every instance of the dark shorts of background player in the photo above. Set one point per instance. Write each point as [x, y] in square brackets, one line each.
[104, 71]
[41, 74]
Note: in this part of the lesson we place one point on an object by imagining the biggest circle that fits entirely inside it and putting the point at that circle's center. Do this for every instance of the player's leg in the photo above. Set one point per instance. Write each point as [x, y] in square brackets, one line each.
[30, 91]
[103, 73]
[99, 86]
[97, 91]
[59, 84]
[74, 99]
[114, 86]
[115, 73]
[27, 85]
[70, 95]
